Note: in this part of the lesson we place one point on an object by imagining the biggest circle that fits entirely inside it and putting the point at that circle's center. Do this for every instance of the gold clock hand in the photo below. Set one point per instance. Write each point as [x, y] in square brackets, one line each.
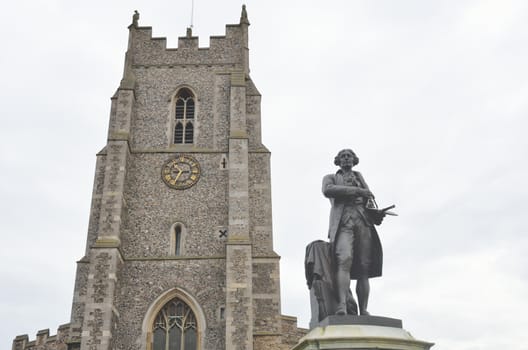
[179, 174]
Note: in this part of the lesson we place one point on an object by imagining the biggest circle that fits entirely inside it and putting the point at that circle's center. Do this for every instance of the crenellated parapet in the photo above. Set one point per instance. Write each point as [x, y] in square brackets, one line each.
[229, 49]
[43, 340]
[291, 333]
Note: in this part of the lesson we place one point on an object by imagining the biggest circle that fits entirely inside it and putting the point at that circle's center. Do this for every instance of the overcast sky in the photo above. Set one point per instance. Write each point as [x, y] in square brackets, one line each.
[432, 96]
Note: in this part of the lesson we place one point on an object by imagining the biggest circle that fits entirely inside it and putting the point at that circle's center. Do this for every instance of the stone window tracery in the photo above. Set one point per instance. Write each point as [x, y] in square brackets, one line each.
[175, 327]
[184, 114]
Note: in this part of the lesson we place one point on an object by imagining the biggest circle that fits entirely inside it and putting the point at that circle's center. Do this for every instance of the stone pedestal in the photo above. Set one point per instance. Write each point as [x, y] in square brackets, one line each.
[361, 333]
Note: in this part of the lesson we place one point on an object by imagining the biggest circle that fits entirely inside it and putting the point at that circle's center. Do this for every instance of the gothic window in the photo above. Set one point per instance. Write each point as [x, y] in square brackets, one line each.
[175, 327]
[184, 117]
[177, 237]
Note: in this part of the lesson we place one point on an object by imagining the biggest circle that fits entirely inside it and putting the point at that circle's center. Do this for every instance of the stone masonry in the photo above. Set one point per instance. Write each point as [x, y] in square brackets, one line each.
[226, 269]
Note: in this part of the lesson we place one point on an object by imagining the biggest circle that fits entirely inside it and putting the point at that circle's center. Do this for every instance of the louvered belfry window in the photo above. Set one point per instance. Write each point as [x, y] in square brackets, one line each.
[175, 327]
[184, 114]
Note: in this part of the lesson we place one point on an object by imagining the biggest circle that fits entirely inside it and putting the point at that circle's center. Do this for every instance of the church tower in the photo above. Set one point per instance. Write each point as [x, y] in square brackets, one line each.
[179, 253]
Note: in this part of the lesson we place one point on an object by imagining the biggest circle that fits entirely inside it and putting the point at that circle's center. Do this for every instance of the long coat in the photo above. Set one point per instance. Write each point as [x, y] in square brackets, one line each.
[335, 189]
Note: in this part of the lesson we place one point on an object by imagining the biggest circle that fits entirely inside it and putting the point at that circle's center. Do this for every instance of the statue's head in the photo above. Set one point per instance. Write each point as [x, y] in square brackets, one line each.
[346, 156]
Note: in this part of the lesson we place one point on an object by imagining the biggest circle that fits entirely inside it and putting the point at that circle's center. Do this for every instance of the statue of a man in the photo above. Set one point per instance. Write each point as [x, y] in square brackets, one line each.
[356, 249]
[135, 18]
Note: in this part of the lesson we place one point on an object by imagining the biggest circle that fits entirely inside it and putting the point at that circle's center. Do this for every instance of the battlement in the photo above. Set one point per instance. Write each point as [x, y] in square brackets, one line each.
[228, 49]
[290, 332]
[43, 340]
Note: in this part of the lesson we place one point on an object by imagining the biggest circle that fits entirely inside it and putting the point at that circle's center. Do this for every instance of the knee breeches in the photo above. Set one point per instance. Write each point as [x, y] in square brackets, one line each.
[353, 243]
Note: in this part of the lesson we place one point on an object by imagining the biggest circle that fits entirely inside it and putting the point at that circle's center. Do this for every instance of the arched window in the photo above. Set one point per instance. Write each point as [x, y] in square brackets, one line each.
[177, 239]
[174, 321]
[175, 327]
[184, 117]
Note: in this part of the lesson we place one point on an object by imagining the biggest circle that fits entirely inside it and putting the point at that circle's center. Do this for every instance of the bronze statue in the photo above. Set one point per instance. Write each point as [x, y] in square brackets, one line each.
[354, 249]
[355, 246]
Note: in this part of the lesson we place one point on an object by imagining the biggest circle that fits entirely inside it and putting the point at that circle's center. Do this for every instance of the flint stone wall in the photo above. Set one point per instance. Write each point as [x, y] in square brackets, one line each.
[143, 281]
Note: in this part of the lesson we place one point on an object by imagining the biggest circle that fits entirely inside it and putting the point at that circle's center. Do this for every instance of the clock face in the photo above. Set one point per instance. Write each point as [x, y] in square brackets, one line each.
[181, 172]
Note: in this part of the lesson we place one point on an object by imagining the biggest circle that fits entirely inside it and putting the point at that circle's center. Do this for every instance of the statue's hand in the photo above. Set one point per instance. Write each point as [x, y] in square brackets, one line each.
[367, 193]
[375, 216]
